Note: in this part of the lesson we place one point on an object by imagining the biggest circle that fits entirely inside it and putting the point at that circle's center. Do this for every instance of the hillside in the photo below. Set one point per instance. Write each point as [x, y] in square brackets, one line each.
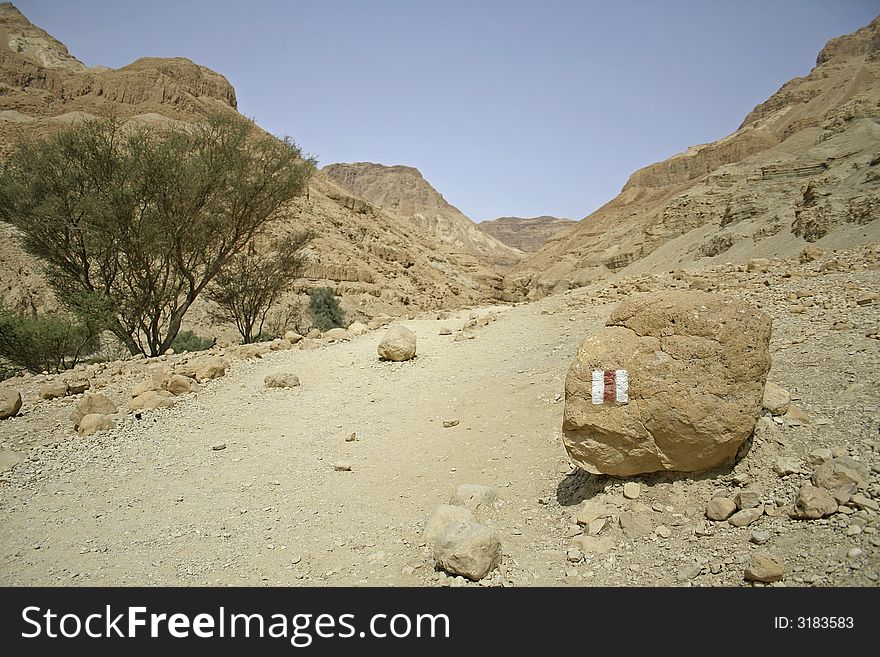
[403, 191]
[379, 262]
[801, 168]
[527, 235]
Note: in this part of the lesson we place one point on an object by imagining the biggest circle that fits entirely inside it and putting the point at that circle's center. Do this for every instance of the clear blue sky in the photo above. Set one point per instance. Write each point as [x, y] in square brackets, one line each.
[507, 107]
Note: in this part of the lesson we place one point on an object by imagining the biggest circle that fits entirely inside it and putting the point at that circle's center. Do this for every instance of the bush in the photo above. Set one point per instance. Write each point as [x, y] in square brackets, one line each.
[45, 342]
[189, 341]
[324, 306]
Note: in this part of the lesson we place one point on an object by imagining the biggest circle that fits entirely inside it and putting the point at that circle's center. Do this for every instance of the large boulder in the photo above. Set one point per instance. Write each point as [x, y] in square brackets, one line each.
[398, 344]
[92, 404]
[674, 381]
[54, 389]
[468, 549]
[10, 403]
[93, 423]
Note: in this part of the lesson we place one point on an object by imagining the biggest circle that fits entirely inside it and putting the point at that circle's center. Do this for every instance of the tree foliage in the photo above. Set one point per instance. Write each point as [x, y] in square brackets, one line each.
[252, 281]
[145, 217]
[324, 306]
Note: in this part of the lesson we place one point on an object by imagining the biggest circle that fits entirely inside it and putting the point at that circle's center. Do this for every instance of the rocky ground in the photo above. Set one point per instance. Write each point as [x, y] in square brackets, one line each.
[241, 483]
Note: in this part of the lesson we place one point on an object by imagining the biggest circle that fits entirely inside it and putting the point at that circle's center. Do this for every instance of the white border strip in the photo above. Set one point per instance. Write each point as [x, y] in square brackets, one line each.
[621, 378]
[598, 386]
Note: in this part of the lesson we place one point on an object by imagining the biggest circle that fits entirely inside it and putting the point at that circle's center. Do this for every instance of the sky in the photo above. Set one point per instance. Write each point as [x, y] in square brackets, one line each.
[508, 108]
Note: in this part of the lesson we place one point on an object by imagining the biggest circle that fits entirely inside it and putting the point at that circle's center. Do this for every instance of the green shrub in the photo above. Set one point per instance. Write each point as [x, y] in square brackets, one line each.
[45, 342]
[189, 341]
[324, 306]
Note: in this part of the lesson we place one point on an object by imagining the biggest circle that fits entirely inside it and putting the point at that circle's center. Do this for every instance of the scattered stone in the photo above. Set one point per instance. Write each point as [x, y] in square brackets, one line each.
[839, 471]
[212, 368]
[351, 437]
[54, 389]
[776, 399]
[444, 516]
[596, 526]
[631, 490]
[812, 503]
[309, 343]
[853, 530]
[178, 384]
[468, 549]
[292, 337]
[152, 399]
[764, 568]
[855, 553]
[218, 447]
[759, 536]
[77, 386]
[593, 544]
[281, 380]
[811, 253]
[635, 525]
[697, 365]
[747, 499]
[796, 416]
[9, 459]
[863, 502]
[398, 344]
[758, 265]
[10, 403]
[663, 531]
[342, 466]
[720, 508]
[574, 555]
[820, 455]
[337, 335]
[591, 510]
[314, 334]
[688, 572]
[786, 465]
[844, 494]
[357, 328]
[867, 298]
[450, 423]
[93, 423]
[745, 517]
[473, 496]
[93, 403]
[445, 331]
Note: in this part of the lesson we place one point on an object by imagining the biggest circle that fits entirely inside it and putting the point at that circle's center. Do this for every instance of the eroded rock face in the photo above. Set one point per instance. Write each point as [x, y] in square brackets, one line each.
[696, 366]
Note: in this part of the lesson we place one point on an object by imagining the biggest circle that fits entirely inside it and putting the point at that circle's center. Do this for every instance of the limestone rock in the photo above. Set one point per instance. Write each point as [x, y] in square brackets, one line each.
[745, 517]
[720, 508]
[839, 471]
[77, 386]
[764, 568]
[9, 459]
[776, 399]
[812, 502]
[758, 265]
[152, 399]
[590, 511]
[10, 403]
[293, 337]
[635, 525]
[53, 389]
[398, 344]
[281, 380]
[631, 490]
[357, 328]
[811, 253]
[697, 365]
[95, 403]
[93, 423]
[211, 368]
[747, 499]
[473, 496]
[178, 384]
[309, 343]
[443, 516]
[593, 544]
[337, 335]
[468, 549]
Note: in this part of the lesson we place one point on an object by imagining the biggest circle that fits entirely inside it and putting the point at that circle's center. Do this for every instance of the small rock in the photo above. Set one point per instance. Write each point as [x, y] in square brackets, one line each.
[450, 423]
[720, 508]
[593, 544]
[93, 423]
[281, 380]
[759, 536]
[635, 525]
[663, 531]
[591, 510]
[77, 386]
[853, 530]
[152, 399]
[864, 502]
[92, 403]
[688, 572]
[820, 455]
[776, 399]
[468, 549]
[351, 437]
[855, 553]
[631, 490]
[867, 298]
[596, 526]
[574, 555]
[840, 470]
[745, 517]
[10, 403]
[179, 384]
[218, 447]
[54, 389]
[786, 465]
[445, 331]
[812, 503]
[398, 344]
[443, 516]
[747, 499]
[764, 568]
[342, 466]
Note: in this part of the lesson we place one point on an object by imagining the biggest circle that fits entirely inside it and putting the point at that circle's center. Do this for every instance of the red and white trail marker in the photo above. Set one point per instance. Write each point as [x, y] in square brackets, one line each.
[610, 386]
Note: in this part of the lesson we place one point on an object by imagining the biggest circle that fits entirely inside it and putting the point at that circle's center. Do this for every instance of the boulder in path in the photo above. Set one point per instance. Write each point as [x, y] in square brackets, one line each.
[10, 403]
[468, 549]
[473, 496]
[281, 380]
[443, 516]
[91, 404]
[93, 423]
[674, 381]
[764, 568]
[720, 508]
[337, 335]
[210, 368]
[178, 384]
[398, 344]
[54, 389]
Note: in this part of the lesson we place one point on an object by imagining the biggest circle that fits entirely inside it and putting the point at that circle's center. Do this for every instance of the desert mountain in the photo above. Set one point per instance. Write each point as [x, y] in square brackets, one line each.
[403, 191]
[802, 167]
[527, 235]
[379, 262]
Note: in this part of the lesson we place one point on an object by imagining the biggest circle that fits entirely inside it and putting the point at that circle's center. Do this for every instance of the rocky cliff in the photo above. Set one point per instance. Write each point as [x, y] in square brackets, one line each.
[403, 191]
[527, 235]
[378, 261]
[802, 167]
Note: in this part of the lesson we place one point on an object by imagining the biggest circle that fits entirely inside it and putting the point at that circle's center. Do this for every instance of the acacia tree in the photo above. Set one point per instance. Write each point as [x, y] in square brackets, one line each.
[144, 217]
[252, 281]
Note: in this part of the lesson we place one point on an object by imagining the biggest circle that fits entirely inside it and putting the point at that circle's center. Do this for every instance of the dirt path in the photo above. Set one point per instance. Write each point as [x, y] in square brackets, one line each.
[152, 503]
